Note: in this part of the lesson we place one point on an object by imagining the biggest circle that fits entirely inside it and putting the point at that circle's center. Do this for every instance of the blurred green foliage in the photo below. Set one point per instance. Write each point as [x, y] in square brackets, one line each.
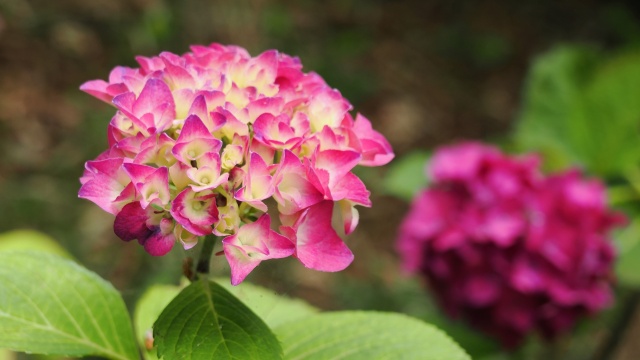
[407, 175]
[581, 107]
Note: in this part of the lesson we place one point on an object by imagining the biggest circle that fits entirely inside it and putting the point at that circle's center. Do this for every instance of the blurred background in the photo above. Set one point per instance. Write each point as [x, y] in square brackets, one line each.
[425, 73]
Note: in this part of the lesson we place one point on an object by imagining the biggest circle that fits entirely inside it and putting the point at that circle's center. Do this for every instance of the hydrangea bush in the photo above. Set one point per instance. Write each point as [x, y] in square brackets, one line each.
[508, 249]
[200, 142]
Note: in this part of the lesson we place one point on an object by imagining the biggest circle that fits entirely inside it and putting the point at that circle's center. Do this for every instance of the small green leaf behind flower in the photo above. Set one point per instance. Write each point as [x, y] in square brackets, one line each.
[407, 175]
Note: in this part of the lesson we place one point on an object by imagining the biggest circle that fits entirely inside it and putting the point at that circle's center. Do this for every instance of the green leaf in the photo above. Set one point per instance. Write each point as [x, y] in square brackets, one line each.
[553, 119]
[271, 308]
[366, 335]
[50, 305]
[628, 266]
[7, 355]
[148, 308]
[406, 176]
[206, 322]
[581, 108]
[30, 240]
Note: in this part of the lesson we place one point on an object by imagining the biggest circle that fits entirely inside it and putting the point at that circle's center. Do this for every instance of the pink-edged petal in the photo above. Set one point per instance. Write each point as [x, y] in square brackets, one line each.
[154, 108]
[161, 240]
[186, 152]
[150, 64]
[337, 139]
[155, 92]
[327, 107]
[187, 239]
[207, 173]
[318, 246]
[264, 106]
[124, 102]
[102, 183]
[178, 77]
[328, 171]
[156, 150]
[279, 246]
[194, 128]
[151, 183]
[275, 132]
[103, 90]
[258, 181]
[194, 141]
[240, 263]
[199, 109]
[252, 244]
[337, 163]
[376, 150]
[350, 215]
[195, 212]
[300, 124]
[350, 187]
[294, 192]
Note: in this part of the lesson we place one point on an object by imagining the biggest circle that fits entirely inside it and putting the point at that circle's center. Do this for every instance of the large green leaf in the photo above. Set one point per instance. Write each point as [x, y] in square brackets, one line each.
[25, 239]
[582, 108]
[206, 322]
[271, 308]
[365, 335]
[50, 305]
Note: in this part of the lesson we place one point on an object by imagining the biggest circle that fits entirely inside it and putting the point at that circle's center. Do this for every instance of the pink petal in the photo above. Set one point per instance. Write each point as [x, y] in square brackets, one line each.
[258, 182]
[350, 216]
[252, 244]
[195, 212]
[151, 183]
[102, 182]
[131, 223]
[156, 99]
[293, 191]
[318, 246]
[98, 89]
[353, 189]
[336, 164]
[161, 240]
[327, 107]
[376, 150]
[240, 262]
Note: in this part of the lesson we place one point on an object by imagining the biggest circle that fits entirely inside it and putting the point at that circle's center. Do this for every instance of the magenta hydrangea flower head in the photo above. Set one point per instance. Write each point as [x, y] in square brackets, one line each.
[200, 142]
[506, 248]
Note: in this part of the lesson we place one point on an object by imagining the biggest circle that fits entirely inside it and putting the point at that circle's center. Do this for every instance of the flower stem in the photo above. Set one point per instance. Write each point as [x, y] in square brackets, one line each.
[202, 267]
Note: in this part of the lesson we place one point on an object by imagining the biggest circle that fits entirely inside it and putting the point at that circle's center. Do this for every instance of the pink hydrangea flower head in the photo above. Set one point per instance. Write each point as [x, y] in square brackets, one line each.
[506, 248]
[201, 142]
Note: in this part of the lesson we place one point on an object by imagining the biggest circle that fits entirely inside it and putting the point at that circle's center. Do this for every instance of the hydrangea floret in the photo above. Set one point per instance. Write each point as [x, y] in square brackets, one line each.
[200, 143]
[507, 248]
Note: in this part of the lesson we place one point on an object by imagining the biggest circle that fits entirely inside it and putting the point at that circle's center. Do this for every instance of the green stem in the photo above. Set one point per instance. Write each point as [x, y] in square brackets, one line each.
[202, 267]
